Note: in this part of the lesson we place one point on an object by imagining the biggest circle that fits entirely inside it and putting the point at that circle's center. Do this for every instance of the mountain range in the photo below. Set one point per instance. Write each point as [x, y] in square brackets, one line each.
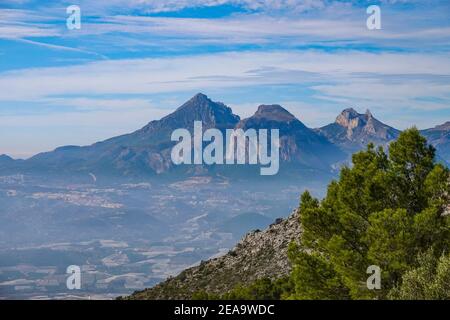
[146, 152]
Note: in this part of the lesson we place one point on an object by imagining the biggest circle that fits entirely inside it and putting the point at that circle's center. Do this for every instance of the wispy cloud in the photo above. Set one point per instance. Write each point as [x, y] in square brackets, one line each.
[338, 21]
[324, 72]
[157, 6]
[21, 23]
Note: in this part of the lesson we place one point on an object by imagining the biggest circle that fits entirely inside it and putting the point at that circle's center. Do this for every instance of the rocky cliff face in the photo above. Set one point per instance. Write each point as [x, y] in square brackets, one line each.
[352, 131]
[258, 255]
[298, 143]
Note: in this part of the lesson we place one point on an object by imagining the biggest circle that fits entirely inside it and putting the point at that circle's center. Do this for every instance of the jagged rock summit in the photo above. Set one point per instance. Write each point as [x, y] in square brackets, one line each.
[299, 144]
[273, 112]
[353, 131]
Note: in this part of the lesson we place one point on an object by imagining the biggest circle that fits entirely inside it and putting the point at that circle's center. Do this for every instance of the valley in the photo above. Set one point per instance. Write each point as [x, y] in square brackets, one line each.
[125, 237]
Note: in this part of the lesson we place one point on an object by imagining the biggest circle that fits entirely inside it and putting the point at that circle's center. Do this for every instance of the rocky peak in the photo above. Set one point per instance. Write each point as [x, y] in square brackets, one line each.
[4, 157]
[350, 118]
[273, 112]
[298, 143]
[363, 124]
[201, 108]
[198, 108]
[443, 127]
[353, 130]
[350, 113]
[198, 101]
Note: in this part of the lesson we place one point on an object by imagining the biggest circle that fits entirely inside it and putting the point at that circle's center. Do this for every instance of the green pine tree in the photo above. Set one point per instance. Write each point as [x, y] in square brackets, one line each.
[385, 210]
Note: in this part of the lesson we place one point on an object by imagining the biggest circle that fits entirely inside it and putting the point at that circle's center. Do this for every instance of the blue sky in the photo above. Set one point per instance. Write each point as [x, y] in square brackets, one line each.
[134, 61]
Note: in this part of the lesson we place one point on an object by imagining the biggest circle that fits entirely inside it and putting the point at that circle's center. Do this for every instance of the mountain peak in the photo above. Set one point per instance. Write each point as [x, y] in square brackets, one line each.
[273, 112]
[199, 97]
[198, 108]
[346, 116]
[350, 118]
[198, 101]
[5, 157]
[443, 127]
[350, 111]
[354, 130]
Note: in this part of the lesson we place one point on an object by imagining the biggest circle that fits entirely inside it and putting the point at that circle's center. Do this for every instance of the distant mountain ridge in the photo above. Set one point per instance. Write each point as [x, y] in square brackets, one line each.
[146, 152]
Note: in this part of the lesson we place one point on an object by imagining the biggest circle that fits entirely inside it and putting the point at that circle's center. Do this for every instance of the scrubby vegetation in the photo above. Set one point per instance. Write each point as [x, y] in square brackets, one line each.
[261, 289]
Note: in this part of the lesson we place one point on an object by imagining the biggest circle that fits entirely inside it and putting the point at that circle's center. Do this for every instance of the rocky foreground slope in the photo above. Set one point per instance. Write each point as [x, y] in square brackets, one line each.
[258, 255]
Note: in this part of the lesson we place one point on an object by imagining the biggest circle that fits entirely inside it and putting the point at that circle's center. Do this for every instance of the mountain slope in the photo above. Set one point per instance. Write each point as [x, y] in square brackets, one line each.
[298, 143]
[439, 137]
[258, 255]
[352, 131]
[5, 159]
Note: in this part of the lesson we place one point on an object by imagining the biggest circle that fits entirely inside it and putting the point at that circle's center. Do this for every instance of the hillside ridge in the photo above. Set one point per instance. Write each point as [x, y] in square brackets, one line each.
[260, 254]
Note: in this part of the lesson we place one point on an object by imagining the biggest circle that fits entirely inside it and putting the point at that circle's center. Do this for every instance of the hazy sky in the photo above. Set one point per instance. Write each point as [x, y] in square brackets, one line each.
[134, 61]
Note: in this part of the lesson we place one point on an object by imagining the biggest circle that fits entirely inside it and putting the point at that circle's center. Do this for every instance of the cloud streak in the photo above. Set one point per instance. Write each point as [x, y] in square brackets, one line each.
[337, 22]
[342, 75]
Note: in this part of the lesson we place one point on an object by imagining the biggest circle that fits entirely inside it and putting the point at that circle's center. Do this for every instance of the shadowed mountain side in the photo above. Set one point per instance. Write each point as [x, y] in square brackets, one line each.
[439, 137]
[298, 143]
